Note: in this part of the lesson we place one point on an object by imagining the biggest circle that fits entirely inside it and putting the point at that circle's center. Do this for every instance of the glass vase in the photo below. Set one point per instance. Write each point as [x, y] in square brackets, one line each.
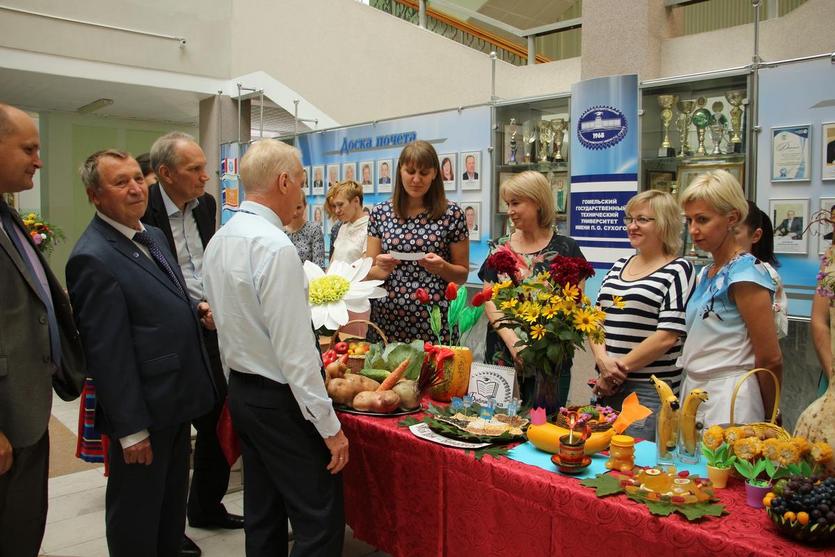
[549, 390]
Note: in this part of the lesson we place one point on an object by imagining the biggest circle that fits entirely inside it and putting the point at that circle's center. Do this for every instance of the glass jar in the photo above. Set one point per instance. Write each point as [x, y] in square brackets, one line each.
[621, 453]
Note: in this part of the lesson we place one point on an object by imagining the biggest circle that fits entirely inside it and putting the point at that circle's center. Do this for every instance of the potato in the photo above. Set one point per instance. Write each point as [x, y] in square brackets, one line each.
[372, 401]
[409, 395]
[361, 382]
[341, 391]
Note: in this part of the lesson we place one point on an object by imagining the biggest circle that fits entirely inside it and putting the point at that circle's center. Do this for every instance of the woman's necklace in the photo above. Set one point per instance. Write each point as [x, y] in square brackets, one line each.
[643, 270]
[714, 269]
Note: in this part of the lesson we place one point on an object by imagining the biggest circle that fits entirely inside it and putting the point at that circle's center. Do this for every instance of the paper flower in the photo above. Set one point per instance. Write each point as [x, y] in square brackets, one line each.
[331, 295]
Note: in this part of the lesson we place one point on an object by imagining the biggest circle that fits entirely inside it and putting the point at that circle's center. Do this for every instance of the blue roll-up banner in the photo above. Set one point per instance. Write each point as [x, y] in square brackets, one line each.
[604, 168]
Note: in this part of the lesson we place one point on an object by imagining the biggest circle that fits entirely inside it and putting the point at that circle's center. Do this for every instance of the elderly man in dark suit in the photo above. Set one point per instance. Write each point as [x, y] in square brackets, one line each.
[40, 349]
[144, 345]
[179, 206]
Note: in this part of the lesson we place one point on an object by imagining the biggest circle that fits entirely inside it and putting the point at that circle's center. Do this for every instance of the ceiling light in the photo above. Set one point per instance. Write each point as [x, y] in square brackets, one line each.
[93, 106]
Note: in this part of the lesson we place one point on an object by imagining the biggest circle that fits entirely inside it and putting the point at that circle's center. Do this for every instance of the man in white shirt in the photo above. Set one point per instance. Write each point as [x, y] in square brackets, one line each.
[144, 346]
[292, 443]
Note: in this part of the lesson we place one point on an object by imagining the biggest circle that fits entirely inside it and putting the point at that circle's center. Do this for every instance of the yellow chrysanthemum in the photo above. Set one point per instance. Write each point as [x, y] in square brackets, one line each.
[618, 302]
[599, 315]
[821, 452]
[544, 276]
[802, 444]
[543, 296]
[499, 286]
[585, 321]
[509, 304]
[556, 299]
[549, 311]
[530, 313]
[713, 437]
[537, 332]
[598, 336]
[570, 291]
[585, 300]
[748, 448]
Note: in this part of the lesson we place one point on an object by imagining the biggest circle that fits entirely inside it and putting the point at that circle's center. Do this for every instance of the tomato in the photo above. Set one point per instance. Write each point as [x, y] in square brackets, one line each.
[341, 347]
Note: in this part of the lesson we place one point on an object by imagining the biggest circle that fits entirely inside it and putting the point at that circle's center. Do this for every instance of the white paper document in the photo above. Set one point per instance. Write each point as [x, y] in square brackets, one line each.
[404, 256]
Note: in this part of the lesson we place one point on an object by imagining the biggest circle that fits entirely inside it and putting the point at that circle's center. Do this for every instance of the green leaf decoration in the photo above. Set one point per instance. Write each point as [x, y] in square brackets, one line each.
[699, 510]
[409, 421]
[435, 320]
[468, 318]
[604, 484]
[494, 451]
[656, 507]
[456, 305]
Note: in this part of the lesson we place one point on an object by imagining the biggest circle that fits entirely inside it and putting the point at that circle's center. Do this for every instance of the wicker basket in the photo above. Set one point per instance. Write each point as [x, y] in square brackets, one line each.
[779, 432]
[356, 363]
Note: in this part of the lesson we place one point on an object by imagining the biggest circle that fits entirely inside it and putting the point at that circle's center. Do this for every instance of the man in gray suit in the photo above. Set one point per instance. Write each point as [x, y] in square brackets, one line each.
[40, 350]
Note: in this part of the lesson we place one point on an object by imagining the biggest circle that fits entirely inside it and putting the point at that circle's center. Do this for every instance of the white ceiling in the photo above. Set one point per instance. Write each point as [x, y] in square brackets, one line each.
[38, 92]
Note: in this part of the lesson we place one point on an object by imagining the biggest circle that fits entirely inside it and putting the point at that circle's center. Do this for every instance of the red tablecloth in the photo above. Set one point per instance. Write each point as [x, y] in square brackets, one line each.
[411, 497]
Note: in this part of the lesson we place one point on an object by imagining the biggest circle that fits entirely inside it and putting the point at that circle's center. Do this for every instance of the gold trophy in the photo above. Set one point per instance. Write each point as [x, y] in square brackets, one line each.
[666, 102]
[683, 124]
[558, 126]
[701, 119]
[514, 130]
[546, 136]
[737, 100]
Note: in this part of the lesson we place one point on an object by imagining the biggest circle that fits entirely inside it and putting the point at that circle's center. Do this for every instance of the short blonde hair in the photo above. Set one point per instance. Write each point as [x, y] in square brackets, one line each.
[719, 189]
[534, 186]
[349, 188]
[667, 217]
[264, 161]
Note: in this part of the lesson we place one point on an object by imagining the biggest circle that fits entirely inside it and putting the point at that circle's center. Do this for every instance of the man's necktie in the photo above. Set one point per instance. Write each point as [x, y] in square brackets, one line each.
[146, 240]
[12, 230]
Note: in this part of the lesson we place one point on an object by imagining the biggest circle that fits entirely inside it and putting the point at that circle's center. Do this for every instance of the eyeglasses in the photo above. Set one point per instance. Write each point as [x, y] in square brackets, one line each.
[640, 221]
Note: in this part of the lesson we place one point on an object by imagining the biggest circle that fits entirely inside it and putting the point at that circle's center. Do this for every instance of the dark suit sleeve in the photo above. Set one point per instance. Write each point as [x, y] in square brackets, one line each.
[101, 312]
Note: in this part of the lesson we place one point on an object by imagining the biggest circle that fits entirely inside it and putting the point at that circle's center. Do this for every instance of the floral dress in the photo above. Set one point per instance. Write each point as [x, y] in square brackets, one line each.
[496, 351]
[310, 243]
[398, 314]
[826, 288]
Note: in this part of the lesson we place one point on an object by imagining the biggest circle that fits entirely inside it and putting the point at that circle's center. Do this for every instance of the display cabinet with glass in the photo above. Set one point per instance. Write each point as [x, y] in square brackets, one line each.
[691, 127]
[532, 135]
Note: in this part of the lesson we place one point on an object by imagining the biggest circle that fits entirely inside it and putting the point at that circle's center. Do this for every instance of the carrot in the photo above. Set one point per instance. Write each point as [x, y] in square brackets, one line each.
[395, 376]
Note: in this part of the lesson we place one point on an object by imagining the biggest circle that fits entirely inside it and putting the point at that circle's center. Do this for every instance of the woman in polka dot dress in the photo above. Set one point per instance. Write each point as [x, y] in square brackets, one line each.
[417, 219]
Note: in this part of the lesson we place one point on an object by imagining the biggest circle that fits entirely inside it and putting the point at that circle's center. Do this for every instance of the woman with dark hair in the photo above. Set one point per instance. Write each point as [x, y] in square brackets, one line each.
[447, 172]
[756, 236]
[420, 221]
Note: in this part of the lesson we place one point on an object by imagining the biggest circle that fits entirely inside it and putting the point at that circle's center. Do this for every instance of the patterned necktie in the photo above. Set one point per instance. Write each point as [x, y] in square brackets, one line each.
[52, 321]
[146, 240]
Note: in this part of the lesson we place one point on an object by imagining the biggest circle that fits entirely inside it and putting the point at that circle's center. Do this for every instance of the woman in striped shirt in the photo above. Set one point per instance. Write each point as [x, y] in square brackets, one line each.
[644, 297]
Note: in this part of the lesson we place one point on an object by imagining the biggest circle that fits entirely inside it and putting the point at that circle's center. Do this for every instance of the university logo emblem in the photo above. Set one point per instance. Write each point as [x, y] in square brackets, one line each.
[601, 127]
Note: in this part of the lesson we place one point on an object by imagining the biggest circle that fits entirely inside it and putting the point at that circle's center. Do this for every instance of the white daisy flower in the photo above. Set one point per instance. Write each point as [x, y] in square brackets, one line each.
[333, 294]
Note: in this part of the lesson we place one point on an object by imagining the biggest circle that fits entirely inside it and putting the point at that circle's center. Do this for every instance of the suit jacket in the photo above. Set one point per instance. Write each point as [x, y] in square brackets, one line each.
[142, 337]
[795, 227]
[466, 174]
[27, 375]
[205, 214]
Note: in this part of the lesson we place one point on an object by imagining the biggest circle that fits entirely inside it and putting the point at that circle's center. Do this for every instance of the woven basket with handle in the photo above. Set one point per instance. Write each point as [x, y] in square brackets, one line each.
[759, 427]
[357, 362]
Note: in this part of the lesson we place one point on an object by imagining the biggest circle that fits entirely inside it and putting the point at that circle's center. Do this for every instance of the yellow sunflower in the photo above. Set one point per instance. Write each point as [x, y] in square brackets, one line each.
[509, 304]
[549, 311]
[537, 332]
[570, 291]
[618, 302]
[585, 321]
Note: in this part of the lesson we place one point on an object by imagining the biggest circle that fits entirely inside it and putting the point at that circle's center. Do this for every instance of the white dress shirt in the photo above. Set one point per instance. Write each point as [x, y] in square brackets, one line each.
[351, 241]
[257, 289]
[128, 232]
[187, 242]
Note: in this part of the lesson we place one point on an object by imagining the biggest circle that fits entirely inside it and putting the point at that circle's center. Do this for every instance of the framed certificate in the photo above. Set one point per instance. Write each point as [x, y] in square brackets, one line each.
[790, 217]
[790, 153]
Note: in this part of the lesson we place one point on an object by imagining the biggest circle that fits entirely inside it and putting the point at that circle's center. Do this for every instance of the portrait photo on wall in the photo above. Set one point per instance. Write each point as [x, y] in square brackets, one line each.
[828, 155]
[471, 172]
[449, 164]
[791, 153]
[349, 171]
[367, 176]
[559, 189]
[333, 175]
[789, 217]
[824, 229]
[317, 216]
[318, 187]
[472, 212]
[307, 181]
[384, 172]
[660, 180]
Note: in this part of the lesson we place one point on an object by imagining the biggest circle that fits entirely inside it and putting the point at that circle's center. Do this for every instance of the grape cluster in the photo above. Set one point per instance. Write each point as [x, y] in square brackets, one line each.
[811, 496]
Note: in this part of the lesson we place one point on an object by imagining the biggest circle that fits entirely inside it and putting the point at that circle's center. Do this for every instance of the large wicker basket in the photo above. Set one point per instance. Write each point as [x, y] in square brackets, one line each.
[356, 363]
[759, 427]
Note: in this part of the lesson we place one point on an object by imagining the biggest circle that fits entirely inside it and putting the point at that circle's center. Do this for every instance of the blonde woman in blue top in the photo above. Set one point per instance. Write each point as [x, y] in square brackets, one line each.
[726, 332]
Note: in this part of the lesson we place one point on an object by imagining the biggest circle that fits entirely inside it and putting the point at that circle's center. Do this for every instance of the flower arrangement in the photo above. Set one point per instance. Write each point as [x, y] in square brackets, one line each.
[45, 235]
[548, 310]
[460, 316]
[331, 295]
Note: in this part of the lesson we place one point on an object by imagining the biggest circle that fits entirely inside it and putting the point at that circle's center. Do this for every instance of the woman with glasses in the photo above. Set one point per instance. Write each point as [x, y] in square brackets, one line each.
[730, 328]
[644, 297]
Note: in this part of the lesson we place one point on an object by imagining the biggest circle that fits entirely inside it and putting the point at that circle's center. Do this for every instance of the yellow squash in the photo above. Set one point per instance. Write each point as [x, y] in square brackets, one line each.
[456, 374]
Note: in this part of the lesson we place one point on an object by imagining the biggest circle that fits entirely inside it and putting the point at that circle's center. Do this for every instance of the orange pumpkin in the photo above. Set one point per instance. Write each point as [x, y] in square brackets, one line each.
[456, 374]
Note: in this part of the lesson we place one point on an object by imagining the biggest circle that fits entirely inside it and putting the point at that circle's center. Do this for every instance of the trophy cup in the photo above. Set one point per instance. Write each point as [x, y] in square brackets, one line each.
[683, 124]
[701, 119]
[666, 102]
[717, 133]
[558, 125]
[737, 99]
[513, 145]
[546, 136]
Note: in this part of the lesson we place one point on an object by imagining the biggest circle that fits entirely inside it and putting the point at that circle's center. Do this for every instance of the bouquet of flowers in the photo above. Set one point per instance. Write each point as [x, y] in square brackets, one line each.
[45, 235]
[548, 310]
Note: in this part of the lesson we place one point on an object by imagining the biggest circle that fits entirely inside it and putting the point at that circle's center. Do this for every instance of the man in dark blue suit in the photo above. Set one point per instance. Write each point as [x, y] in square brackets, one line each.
[143, 341]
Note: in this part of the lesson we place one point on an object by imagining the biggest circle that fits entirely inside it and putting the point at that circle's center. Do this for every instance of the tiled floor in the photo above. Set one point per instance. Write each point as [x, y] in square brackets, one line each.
[75, 523]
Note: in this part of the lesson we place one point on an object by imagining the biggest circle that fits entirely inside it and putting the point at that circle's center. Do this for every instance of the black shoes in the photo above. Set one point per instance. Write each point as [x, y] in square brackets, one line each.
[189, 548]
[227, 521]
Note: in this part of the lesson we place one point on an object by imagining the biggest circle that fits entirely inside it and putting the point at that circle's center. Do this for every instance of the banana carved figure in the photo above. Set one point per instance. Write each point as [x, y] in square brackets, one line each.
[668, 420]
[688, 419]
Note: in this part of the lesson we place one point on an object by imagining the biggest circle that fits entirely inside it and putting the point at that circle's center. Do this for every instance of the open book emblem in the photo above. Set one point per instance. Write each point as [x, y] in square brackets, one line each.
[487, 387]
